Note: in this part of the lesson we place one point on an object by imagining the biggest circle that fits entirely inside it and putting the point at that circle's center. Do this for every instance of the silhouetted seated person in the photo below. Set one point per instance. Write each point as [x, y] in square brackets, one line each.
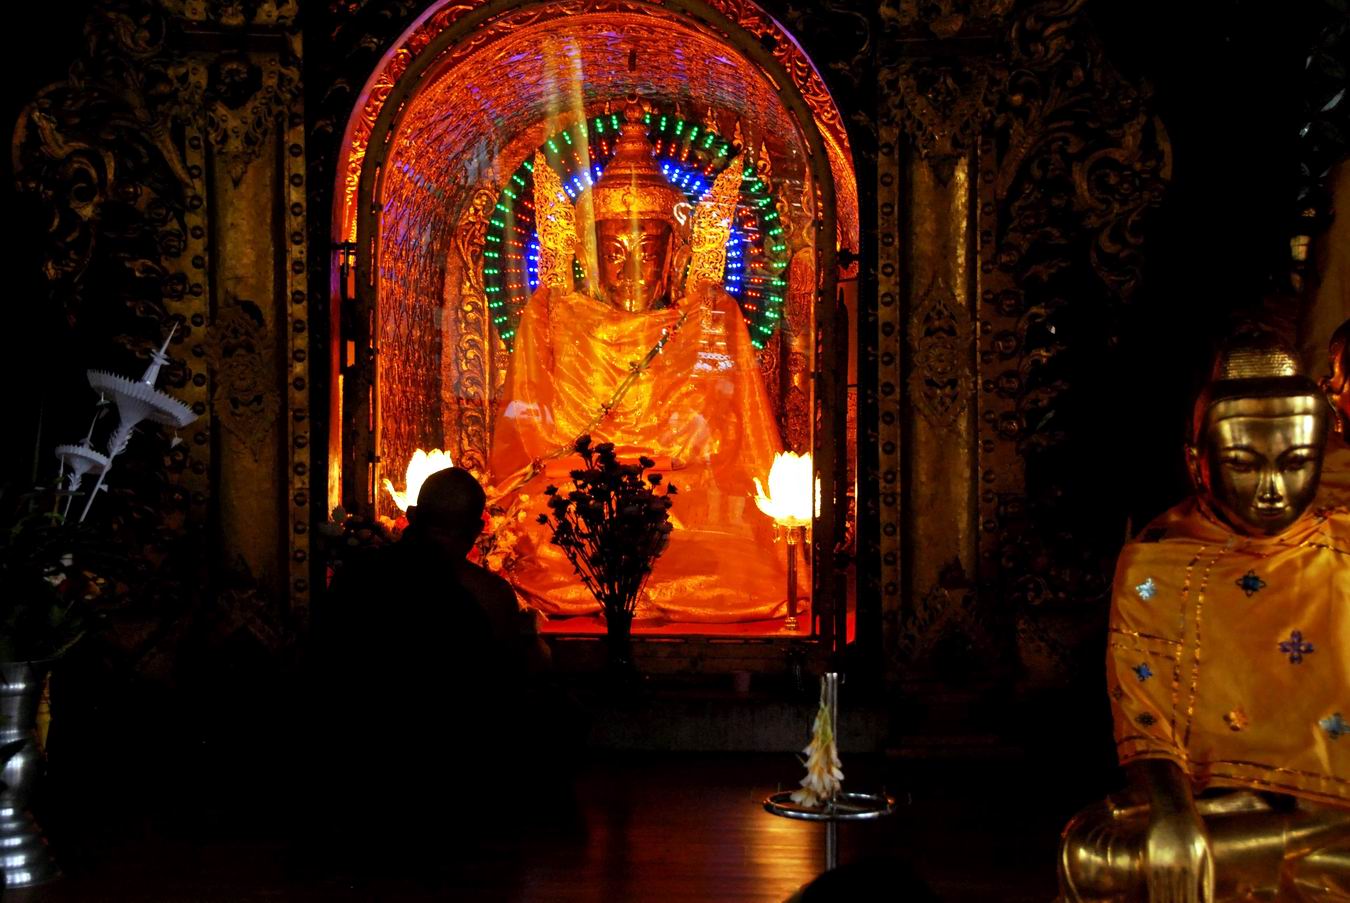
[429, 697]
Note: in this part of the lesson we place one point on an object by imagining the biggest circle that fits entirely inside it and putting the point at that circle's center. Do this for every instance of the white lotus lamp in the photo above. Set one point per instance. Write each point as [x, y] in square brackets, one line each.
[422, 465]
[790, 499]
[791, 502]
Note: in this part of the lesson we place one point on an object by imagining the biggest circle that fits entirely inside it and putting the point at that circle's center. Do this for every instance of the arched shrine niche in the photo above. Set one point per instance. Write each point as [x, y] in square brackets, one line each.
[436, 215]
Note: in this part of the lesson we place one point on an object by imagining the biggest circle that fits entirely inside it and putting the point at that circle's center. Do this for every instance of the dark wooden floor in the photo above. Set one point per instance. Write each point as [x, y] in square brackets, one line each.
[655, 828]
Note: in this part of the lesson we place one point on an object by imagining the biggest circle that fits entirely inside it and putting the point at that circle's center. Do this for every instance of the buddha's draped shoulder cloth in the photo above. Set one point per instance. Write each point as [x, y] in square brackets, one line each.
[1230, 655]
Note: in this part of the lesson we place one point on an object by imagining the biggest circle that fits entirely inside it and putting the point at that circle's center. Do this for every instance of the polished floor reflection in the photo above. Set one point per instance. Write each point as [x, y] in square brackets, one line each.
[649, 828]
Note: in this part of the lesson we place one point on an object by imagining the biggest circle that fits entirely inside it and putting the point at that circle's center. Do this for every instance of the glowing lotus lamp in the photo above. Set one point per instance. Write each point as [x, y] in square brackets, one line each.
[791, 503]
[422, 465]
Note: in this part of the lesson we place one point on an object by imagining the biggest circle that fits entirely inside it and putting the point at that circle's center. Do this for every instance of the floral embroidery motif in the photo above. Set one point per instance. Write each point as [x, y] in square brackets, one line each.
[1296, 648]
[1146, 719]
[1251, 584]
[1143, 671]
[1335, 726]
[1117, 692]
[1237, 719]
[1147, 590]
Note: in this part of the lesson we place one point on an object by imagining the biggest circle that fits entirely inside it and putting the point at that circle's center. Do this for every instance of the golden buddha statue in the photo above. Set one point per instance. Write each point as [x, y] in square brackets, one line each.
[1335, 488]
[660, 366]
[1228, 664]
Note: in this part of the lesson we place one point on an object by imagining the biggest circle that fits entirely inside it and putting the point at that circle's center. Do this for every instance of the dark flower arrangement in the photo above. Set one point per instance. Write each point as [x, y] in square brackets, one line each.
[612, 526]
[54, 582]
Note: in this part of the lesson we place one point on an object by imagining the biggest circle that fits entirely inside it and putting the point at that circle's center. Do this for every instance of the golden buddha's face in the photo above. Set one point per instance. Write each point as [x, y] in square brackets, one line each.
[1261, 461]
[633, 258]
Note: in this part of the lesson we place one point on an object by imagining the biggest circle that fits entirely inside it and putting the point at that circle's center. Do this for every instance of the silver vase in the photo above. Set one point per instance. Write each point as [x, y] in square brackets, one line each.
[24, 859]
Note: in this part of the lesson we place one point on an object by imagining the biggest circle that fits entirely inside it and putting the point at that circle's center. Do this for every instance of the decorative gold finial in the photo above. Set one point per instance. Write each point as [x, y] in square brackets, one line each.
[712, 227]
[763, 165]
[555, 220]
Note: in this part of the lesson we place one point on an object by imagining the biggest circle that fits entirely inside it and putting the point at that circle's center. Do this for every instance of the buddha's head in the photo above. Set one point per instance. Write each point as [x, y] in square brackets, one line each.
[634, 211]
[1257, 436]
[1337, 383]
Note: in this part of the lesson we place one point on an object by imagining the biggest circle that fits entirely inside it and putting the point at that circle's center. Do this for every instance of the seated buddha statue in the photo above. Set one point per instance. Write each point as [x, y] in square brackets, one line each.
[1228, 665]
[1335, 487]
[655, 361]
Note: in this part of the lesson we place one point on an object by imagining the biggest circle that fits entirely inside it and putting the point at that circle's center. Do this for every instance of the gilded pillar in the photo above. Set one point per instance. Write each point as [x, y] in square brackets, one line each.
[256, 342]
[936, 104]
[244, 326]
[939, 379]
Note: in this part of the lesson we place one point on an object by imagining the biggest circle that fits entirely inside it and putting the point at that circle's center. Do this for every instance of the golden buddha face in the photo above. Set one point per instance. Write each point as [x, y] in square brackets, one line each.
[633, 258]
[1261, 460]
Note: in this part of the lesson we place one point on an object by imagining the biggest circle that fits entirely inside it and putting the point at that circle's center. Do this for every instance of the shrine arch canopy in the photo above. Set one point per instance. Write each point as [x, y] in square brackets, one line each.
[463, 101]
[467, 78]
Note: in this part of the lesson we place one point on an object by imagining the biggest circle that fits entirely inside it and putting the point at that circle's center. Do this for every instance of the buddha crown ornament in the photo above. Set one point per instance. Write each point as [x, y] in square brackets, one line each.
[629, 228]
[632, 187]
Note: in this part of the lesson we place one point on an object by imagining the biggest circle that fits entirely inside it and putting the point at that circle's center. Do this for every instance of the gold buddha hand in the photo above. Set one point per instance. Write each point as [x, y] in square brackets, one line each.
[1177, 857]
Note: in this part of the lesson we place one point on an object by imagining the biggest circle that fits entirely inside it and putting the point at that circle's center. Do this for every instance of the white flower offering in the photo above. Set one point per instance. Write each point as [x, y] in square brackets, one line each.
[824, 775]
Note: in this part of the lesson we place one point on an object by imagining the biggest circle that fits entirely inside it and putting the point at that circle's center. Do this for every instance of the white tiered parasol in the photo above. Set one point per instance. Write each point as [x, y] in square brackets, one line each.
[136, 402]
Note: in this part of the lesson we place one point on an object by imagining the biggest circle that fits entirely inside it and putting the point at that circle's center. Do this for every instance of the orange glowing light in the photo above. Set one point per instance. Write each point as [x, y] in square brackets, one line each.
[790, 499]
[422, 465]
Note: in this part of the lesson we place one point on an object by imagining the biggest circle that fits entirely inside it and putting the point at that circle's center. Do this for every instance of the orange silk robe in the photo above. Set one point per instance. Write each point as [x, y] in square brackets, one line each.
[700, 410]
[1230, 655]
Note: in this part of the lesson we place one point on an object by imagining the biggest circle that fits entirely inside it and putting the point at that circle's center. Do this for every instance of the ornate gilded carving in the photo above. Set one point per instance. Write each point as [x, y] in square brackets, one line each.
[1078, 163]
[945, 99]
[246, 398]
[943, 19]
[945, 106]
[801, 302]
[940, 339]
[235, 13]
[943, 628]
[710, 228]
[743, 14]
[556, 221]
[475, 336]
[246, 95]
[1067, 163]
[770, 359]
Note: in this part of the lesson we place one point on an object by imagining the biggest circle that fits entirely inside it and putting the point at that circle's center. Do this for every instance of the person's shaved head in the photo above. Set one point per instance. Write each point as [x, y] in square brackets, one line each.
[451, 501]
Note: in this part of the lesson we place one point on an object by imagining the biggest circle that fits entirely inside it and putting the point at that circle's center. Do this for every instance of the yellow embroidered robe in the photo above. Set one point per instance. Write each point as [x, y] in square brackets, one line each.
[700, 410]
[1230, 655]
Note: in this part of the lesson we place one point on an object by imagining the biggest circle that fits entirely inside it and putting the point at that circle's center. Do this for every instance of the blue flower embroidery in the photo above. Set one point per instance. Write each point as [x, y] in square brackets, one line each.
[1251, 584]
[1296, 648]
[1335, 726]
[1143, 671]
[1147, 590]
